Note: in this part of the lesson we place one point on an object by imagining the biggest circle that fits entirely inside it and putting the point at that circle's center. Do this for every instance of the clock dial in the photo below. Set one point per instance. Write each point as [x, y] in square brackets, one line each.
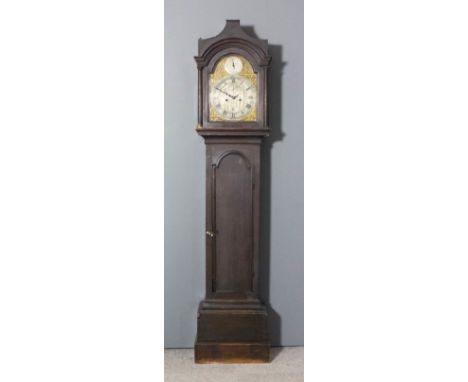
[233, 65]
[233, 90]
[233, 98]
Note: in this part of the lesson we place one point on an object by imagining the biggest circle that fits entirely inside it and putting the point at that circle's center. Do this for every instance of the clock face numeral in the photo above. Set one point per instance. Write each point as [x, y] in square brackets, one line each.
[233, 97]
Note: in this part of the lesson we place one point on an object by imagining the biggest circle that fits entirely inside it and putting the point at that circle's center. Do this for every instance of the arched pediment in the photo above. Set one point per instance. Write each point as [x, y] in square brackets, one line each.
[234, 36]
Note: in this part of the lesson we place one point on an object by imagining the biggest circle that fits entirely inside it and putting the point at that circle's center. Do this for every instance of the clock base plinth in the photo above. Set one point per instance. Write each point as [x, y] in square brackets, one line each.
[232, 352]
[232, 334]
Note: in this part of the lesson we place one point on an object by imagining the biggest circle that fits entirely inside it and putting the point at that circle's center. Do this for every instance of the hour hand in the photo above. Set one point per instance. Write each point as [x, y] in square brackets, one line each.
[222, 91]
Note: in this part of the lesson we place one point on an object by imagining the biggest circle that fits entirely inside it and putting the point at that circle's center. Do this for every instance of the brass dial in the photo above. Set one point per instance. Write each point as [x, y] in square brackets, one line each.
[233, 90]
[233, 97]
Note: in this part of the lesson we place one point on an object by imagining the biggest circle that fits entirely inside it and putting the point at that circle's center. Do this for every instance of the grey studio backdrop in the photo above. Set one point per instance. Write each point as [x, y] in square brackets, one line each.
[282, 241]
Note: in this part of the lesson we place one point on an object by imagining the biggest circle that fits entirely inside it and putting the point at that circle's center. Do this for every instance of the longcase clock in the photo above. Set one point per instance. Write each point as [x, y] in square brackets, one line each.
[232, 119]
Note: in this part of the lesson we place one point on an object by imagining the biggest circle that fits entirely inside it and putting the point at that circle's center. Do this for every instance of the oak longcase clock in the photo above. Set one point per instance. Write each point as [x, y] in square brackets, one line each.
[232, 119]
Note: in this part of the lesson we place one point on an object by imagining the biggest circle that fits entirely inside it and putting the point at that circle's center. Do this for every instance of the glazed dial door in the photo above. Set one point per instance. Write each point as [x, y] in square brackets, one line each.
[233, 90]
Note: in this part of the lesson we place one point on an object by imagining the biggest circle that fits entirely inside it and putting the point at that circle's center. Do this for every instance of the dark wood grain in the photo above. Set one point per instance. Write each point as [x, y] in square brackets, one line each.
[232, 352]
[233, 187]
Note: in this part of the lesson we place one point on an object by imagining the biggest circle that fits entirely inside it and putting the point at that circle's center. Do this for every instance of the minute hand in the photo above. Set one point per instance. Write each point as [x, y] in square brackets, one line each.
[222, 91]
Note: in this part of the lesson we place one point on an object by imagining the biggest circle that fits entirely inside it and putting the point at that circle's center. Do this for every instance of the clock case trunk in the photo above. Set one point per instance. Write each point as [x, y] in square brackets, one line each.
[232, 323]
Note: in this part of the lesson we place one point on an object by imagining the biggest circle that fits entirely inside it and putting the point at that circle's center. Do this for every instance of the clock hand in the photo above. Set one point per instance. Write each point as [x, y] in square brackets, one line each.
[222, 91]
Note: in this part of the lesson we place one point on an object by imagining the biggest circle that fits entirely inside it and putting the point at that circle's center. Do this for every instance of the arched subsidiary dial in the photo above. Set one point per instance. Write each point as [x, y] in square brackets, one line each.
[233, 64]
[233, 90]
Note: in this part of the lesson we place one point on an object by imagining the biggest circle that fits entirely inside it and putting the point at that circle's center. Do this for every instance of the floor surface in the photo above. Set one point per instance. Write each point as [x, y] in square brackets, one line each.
[287, 366]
